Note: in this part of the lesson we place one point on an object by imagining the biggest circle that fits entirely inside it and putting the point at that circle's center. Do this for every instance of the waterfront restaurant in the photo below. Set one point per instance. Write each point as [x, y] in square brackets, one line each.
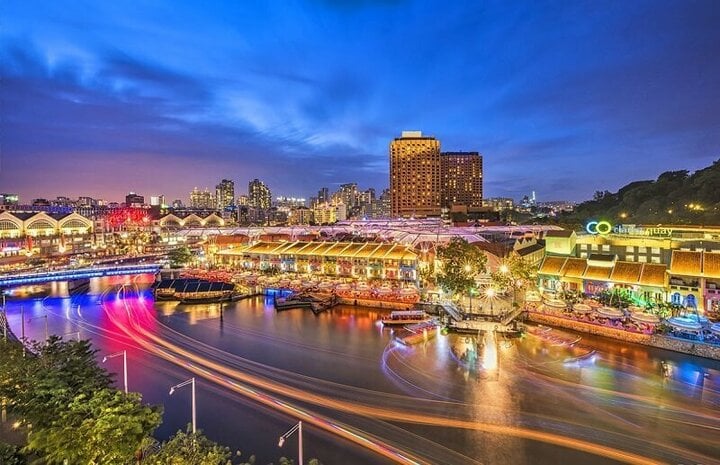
[365, 260]
[695, 280]
[646, 281]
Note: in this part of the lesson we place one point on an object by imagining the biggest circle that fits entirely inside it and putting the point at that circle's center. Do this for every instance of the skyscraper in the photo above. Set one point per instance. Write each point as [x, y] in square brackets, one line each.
[134, 200]
[415, 175]
[225, 194]
[202, 199]
[259, 194]
[461, 183]
[323, 195]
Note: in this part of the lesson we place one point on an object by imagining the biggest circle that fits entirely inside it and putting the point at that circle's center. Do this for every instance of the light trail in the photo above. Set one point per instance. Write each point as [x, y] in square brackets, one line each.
[389, 414]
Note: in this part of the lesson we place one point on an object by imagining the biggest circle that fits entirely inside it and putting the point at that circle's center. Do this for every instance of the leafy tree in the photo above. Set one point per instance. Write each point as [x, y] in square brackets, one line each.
[39, 387]
[107, 426]
[460, 263]
[186, 448]
[180, 257]
[515, 274]
[11, 455]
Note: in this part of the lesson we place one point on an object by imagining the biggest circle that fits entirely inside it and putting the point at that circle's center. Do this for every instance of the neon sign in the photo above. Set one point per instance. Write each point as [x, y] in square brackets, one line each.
[598, 227]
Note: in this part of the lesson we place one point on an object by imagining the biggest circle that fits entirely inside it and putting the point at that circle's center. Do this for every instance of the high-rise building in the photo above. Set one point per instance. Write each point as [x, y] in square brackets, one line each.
[323, 195]
[348, 194]
[134, 200]
[202, 199]
[415, 175]
[225, 194]
[243, 201]
[461, 183]
[259, 195]
[9, 199]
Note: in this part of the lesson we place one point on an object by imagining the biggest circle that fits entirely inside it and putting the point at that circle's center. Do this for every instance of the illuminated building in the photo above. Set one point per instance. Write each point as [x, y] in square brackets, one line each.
[349, 259]
[415, 175]
[202, 199]
[191, 220]
[225, 194]
[44, 233]
[687, 257]
[259, 195]
[300, 215]
[290, 202]
[499, 203]
[9, 199]
[348, 194]
[134, 200]
[461, 179]
[323, 195]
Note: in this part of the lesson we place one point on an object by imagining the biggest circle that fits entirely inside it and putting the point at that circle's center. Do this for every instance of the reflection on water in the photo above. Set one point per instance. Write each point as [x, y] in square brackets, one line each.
[549, 380]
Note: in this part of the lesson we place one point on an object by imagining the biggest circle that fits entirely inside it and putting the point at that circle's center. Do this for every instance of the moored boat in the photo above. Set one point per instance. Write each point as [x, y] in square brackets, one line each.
[405, 317]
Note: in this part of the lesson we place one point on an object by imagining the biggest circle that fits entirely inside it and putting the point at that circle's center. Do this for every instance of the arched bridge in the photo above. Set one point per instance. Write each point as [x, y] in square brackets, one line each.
[77, 273]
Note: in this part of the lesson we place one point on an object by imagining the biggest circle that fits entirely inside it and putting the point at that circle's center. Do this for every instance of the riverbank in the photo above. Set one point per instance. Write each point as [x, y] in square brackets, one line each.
[658, 341]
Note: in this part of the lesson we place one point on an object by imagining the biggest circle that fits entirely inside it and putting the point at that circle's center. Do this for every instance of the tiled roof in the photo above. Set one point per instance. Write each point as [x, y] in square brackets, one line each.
[711, 264]
[686, 263]
[529, 249]
[597, 272]
[653, 275]
[626, 272]
[552, 265]
[574, 268]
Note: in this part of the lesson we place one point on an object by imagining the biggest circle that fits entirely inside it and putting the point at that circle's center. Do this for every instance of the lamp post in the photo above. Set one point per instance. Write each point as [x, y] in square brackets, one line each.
[298, 428]
[490, 293]
[116, 354]
[47, 331]
[468, 270]
[191, 382]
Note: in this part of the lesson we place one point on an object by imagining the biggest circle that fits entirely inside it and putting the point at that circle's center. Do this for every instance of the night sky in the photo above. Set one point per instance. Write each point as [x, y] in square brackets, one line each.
[563, 98]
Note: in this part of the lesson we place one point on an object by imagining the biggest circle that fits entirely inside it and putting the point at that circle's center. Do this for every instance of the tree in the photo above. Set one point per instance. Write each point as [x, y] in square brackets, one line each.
[460, 263]
[107, 426]
[180, 257]
[515, 274]
[39, 387]
[186, 448]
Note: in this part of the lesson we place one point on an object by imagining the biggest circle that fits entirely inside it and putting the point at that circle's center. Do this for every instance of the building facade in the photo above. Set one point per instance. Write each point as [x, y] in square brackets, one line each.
[259, 195]
[202, 199]
[461, 182]
[415, 175]
[225, 194]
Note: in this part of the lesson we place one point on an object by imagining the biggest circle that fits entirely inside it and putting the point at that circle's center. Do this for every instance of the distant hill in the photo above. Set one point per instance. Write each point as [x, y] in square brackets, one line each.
[675, 197]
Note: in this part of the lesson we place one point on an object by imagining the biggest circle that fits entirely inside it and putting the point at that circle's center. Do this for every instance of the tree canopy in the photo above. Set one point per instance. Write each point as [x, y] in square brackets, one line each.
[675, 197]
[460, 263]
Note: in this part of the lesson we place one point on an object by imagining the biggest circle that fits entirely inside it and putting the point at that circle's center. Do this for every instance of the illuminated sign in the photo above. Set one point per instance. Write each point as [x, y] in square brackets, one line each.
[598, 227]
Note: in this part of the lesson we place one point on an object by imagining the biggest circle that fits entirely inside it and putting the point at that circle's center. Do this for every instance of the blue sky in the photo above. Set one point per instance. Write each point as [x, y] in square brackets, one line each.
[564, 98]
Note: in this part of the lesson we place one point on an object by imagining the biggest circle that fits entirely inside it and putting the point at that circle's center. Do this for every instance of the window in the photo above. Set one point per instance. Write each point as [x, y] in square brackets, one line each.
[630, 258]
[656, 250]
[642, 258]
[629, 249]
[606, 248]
[642, 249]
[655, 260]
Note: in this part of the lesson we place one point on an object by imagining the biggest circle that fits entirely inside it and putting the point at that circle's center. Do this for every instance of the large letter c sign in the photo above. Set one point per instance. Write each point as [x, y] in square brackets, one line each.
[598, 227]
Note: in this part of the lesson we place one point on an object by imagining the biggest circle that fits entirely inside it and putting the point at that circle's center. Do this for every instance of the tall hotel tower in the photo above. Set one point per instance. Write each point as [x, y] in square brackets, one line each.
[415, 175]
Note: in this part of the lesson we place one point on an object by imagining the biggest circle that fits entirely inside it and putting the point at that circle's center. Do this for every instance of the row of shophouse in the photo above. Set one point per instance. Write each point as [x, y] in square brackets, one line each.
[362, 260]
[681, 266]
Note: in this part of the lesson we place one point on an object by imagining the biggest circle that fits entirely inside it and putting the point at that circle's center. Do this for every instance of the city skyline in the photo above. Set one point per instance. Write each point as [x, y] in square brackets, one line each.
[128, 103]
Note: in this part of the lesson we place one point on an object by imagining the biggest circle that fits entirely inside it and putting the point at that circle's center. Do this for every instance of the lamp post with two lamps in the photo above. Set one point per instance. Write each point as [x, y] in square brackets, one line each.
[191, 382]
[298, 428]
[124, 356]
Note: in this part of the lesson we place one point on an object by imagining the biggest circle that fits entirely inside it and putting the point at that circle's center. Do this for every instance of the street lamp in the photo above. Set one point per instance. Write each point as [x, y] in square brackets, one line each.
[47, 332]
[298, 428]
[116, 354]
[191, 382]
[490, 293]
[468, 270]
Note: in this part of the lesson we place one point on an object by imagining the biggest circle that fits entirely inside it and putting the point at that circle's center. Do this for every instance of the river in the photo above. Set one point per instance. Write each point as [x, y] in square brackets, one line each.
[549, 397]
